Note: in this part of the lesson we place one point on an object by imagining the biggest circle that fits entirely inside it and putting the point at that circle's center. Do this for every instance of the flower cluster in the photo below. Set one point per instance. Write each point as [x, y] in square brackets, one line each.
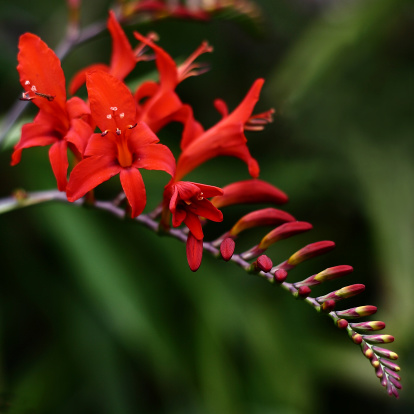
[127, 123]
[114, 132]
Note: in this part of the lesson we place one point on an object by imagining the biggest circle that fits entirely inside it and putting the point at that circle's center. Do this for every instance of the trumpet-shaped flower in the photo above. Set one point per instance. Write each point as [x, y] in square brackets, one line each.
[226, 137]
[59, 122]
[123, 146]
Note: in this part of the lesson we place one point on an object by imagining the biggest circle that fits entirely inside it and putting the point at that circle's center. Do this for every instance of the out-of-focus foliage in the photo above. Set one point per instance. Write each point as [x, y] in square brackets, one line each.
[102, 316]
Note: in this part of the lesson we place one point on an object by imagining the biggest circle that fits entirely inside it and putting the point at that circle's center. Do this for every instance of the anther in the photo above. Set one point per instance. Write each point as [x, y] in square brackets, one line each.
[104, 133]
[132, 126]
[109, 116]
[34, 88]
[121, 115]
[118, 131]
[113, 108]
[27, 82]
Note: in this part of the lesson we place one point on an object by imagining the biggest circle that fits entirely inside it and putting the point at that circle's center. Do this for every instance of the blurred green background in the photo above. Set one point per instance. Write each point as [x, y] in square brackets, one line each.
[102, 316]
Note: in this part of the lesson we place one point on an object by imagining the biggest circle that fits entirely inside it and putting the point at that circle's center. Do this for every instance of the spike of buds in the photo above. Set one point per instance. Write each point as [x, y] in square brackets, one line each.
[357, 312]
[327, 274]
[378, 339]
[227, 248]
[368, 326]
[386, 353]
[344, 293]
[280, 275]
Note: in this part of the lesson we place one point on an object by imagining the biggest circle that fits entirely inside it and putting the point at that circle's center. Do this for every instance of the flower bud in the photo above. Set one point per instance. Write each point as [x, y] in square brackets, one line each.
[357, 312]
[303, 292]
[368, 326]
[386, 353]
[341, 323]
[328, 306]
[227, 249]
[343, 293]
[392, 373]
[367, 351]
[280, 275]
[378, 339]
[389, 364]
[309, 251]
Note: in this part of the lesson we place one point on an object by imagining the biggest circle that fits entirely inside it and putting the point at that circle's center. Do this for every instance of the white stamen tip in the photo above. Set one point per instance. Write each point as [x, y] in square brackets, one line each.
[118, 131]
[109, 116]
[34, 88]
[27, 82]
[121, 115]
[113, 108]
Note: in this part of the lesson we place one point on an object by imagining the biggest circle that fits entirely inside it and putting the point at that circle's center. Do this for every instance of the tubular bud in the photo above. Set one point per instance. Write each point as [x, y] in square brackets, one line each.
[264, 217]
[378, 339]
[367, 351]
[386, 353]
[374, 362]
[392, 374]
[302, 293]
[344, 293]
[391, 365]
[356, 338]
[309, 251]
[333, 273]
[357, 312]
[395, 383]
[379, 372]
[282, 232]
[368, 326]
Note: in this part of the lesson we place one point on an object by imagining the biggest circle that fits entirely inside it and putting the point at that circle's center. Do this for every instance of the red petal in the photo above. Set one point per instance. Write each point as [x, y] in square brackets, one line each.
[33, 135]
[155, 157]
[250, 191]
[79, 134]
[178, 217]
[58, 157]
[101, 146]
[192, 221]
[146, 90]
[123, 58]
[204, 208]
[80, 77]
[209, 190]
[133, 185]
[141, 135]
[165, 64]
[194, 249]
[40, 66]
[77, 107]
[88, 174]
[106, 92]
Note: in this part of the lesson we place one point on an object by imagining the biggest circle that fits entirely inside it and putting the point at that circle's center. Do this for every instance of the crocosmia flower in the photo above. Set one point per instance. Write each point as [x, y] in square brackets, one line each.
[188, 202]
[123, 146]
[226, 137]
[59, 123]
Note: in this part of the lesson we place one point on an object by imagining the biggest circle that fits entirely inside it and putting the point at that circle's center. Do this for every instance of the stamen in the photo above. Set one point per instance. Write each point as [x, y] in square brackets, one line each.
[132, 126]
[27, 82]
[109, 116]
[46, 96]
[34, 88]
[113, 108]
[121, 115]
[26, 97]
[118, 131]
[104, 133]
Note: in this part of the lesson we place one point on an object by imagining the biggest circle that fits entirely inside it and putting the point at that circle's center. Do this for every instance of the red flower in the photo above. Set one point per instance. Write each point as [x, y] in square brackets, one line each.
[188, 202]
[161, 103]
[123, 58]
[123, 146]
[226, 137]
[58, 122]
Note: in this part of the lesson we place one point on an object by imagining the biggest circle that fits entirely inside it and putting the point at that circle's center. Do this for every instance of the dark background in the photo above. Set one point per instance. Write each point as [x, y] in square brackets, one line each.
[102, 316]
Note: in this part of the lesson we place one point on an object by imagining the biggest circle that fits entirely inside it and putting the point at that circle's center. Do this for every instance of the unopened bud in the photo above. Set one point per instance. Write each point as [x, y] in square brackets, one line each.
[227, 249]
[333, 273]
[392, 373]
[356, 338]
[374, 362]
[368, 326]
[344, 293]
[389, 364]
[264, 263]
[328, 306]
[282, 232]
[378, 339]
[357, 312]
[303, 292]
[341, 323]
[385, 352]
[309, 251]
[280, 275]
